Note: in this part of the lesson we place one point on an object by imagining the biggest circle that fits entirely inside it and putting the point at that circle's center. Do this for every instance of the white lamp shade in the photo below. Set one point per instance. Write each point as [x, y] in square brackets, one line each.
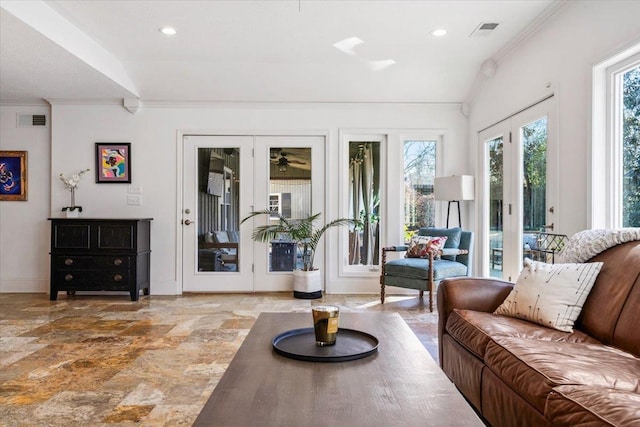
[456, 187]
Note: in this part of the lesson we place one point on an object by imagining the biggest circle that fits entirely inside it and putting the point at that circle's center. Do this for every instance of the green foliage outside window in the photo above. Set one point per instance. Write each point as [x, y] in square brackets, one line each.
[631, 149]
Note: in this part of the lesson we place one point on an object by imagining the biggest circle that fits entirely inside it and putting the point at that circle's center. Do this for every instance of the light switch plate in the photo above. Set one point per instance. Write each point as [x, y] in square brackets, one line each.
[135, 188]
[134, 199]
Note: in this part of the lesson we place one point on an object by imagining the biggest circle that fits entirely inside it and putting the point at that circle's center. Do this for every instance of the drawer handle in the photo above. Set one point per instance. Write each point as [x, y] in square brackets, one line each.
[68, 261]
[117, 278]
[68, 277]
[117, 261]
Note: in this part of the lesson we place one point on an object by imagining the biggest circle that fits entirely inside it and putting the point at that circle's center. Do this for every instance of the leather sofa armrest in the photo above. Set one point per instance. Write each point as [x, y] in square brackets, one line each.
[468, 293]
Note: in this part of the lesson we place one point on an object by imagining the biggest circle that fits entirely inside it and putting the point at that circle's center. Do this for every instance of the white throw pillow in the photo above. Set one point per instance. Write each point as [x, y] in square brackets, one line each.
[551, 294]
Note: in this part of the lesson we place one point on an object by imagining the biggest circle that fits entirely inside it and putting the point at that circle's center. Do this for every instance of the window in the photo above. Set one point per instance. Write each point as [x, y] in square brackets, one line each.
[630, 135]
[274, 203]
[364, 206]
[615, 151]
[419, 173]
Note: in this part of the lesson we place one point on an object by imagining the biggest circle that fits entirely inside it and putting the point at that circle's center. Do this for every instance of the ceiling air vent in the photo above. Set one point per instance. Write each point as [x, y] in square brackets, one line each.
[485, 28]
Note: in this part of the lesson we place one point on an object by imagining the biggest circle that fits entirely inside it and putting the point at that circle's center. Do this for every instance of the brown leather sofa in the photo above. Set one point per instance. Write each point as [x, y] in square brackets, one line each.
[517, 373]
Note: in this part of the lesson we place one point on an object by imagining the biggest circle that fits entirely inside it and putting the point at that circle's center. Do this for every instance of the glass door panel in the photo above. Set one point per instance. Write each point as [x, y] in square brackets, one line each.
[495, 247]
[289, 179]
[215, 169]
[518, 168]
[289, 196]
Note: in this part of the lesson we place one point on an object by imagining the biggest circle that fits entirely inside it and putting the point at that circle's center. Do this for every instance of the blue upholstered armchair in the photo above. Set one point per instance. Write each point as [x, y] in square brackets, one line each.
[423, 274]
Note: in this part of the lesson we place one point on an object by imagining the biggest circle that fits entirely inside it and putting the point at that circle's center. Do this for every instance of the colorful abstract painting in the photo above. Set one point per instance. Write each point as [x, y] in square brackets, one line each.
[13, 175]
[113, 162]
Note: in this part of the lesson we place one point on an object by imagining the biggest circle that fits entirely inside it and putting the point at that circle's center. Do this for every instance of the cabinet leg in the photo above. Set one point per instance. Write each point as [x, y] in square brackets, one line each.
[134, 295]
[146, 290]
[53, 296]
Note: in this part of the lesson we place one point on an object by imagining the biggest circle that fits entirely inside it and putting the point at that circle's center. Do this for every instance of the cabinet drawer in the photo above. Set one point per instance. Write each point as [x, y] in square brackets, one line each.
[73, 262]
[93, 279]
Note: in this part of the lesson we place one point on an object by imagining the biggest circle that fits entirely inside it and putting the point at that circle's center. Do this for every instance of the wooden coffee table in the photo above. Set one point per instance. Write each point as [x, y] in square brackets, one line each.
[399, 385]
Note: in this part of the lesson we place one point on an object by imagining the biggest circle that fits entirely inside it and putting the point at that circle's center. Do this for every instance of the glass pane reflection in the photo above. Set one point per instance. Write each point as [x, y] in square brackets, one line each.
[495, 206]
[364, 202]
[218, 209]
[289, 195]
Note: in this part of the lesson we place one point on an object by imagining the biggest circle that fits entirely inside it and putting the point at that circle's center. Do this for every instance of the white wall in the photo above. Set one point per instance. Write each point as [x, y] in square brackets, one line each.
[24, 229]
[153, 132]
[559, 59]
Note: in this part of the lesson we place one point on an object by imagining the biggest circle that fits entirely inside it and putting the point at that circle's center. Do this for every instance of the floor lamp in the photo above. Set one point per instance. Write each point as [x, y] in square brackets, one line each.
[453, 189]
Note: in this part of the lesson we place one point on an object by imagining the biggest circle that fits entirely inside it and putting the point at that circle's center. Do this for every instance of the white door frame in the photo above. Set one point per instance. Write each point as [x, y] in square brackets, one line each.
[179, 280]
[512, 221]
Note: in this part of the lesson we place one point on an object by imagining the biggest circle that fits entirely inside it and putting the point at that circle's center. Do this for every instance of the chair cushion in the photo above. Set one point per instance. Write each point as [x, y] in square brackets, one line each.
[418, 268]
[452, 234]
[221, 236]
[233, 236]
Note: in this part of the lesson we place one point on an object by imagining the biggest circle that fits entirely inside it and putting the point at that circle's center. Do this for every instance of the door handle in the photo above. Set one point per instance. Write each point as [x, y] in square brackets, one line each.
[188, 222]
[550, 227]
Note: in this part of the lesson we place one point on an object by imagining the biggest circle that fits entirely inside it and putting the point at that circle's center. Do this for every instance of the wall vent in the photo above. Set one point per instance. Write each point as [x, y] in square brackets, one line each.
[485, 28]
[31, 120]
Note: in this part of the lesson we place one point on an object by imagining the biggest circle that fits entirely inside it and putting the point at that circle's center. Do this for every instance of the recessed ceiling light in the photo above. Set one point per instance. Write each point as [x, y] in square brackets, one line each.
[439, 32]
[168, 31]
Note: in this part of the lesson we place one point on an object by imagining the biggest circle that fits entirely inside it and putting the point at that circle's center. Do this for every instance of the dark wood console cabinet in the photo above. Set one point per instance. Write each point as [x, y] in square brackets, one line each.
[97, 254]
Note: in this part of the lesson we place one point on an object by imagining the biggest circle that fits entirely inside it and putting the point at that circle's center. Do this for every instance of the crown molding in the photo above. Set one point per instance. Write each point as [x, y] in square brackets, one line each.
[287, 104]
[25, 103]
[530, 29]
[85, 101]
[513, 44]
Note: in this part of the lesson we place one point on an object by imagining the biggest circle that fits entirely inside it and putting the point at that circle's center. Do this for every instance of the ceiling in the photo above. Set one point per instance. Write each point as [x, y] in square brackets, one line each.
[254, 51]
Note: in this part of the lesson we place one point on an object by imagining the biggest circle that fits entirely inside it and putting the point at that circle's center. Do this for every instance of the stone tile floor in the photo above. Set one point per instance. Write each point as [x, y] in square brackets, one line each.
[107, 361]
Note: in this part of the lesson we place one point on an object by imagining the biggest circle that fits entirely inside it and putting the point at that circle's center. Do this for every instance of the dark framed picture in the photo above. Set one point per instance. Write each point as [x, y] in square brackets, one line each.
[13, 175]
[113, 162]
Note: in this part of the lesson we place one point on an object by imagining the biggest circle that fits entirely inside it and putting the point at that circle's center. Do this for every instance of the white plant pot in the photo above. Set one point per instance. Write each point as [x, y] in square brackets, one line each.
[307, 284]
[73, 213]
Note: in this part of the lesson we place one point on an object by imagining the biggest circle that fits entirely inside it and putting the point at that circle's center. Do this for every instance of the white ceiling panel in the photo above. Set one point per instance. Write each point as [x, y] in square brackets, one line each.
[267, 51]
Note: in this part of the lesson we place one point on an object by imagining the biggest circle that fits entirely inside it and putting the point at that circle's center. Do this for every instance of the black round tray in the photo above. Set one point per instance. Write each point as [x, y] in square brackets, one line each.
[300, 344]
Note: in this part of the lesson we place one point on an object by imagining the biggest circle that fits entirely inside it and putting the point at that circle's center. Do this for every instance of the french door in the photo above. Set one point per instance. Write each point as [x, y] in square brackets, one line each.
[224, 179]
[519, 187]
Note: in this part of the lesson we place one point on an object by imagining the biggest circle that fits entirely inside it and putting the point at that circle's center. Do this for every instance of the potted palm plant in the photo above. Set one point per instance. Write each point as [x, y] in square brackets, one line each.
[307, 282]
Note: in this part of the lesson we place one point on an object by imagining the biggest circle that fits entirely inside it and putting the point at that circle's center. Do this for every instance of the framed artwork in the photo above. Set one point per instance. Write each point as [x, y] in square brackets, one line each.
[113, 162]
[13, 175]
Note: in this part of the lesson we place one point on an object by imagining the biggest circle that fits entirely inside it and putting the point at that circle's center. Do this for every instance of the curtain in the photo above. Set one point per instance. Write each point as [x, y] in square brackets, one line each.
[367, 207]
[355, 190]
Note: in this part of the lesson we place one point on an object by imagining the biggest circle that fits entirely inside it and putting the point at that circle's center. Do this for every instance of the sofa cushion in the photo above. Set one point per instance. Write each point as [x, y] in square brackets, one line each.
[573, 405]
[610, 313]
[533, 367]
[474, 329]
[551, 294]
[418, 268]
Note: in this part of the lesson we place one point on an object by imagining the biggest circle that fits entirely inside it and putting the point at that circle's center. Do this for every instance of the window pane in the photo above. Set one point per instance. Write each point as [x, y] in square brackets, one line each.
[290, 196]
[218, 213]
[534, 180]
[631, 149]
[419, 173]
[364, 202]
[496, 173]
